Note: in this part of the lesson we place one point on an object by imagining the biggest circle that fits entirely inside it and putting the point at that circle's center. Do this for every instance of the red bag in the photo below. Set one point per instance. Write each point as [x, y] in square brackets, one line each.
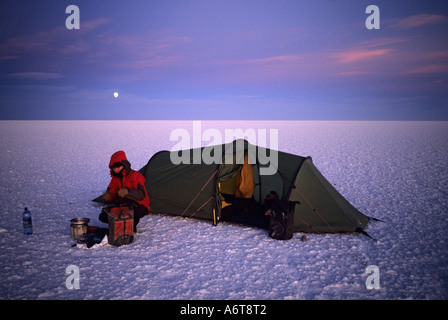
[121, 225]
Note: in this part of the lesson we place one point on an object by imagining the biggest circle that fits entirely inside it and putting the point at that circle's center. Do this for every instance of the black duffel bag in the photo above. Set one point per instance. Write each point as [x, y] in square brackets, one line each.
[281, 225]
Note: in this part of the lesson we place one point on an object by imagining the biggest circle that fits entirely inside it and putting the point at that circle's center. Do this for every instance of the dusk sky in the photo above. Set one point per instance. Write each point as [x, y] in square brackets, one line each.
[224, 59]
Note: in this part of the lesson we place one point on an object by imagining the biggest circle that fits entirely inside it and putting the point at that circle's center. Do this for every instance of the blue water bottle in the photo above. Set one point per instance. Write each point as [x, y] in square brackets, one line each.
[27, 223]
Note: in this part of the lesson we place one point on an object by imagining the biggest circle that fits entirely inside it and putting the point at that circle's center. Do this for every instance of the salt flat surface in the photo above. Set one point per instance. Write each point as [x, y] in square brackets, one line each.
[394, 171]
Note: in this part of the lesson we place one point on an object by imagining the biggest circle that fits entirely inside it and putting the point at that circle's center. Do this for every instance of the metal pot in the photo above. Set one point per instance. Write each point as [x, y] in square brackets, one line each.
[78, 227]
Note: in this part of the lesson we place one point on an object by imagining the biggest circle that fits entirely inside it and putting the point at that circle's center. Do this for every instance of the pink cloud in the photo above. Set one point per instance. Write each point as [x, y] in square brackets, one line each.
[154, 49]
[443, 54]
[420, 20]
[8, 57]
[293, 58]
[381, 42]
[154, 61]
[280, 59]
[90, 25]
[372, 57]
[433, 68]
[53, 40]
[35, 75]
[352, 73]
[355, 55]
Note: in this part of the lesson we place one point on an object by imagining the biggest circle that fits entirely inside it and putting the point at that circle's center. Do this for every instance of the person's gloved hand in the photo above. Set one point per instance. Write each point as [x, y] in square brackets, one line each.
[107, 197]
[123, 192]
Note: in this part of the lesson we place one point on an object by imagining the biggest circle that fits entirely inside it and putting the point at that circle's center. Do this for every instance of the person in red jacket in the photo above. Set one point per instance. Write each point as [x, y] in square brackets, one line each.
[126, 186]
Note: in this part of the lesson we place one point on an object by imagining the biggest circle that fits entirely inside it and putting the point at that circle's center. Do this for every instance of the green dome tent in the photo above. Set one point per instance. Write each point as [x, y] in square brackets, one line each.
[205, 182]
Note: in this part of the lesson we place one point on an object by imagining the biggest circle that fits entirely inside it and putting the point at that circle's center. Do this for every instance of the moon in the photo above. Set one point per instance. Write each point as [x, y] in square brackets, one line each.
[115, 94]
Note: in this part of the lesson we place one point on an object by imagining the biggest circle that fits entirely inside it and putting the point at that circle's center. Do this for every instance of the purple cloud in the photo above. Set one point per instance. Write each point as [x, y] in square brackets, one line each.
[420, 20]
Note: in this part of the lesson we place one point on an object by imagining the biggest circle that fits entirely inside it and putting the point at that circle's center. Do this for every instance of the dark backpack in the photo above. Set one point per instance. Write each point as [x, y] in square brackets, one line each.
[281, 224]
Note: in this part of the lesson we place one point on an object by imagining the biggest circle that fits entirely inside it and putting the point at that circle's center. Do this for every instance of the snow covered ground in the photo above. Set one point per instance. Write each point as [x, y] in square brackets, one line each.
[394, 171]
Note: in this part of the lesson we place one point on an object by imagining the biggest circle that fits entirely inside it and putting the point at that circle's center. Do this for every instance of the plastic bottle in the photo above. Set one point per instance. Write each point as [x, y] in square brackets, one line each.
[27, 223]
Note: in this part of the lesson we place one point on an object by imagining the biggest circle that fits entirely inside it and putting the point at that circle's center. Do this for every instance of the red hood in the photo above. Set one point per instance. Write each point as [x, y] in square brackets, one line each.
[118, 156]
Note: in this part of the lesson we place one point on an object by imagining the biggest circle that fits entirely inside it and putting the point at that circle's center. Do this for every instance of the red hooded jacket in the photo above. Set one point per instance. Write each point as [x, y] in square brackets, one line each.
[130, 179]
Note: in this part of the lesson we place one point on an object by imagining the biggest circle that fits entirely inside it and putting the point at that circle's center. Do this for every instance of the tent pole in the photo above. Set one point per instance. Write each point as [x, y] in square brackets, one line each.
[202, 189]
[186, 209]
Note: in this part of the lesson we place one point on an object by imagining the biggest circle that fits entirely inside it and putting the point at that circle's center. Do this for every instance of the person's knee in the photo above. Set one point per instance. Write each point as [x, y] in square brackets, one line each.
[103, 216]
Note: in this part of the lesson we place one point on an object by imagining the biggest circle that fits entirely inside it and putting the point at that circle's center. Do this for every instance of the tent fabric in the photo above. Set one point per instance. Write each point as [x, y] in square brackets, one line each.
[196, 188]
[173, 186]
[322, 208]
